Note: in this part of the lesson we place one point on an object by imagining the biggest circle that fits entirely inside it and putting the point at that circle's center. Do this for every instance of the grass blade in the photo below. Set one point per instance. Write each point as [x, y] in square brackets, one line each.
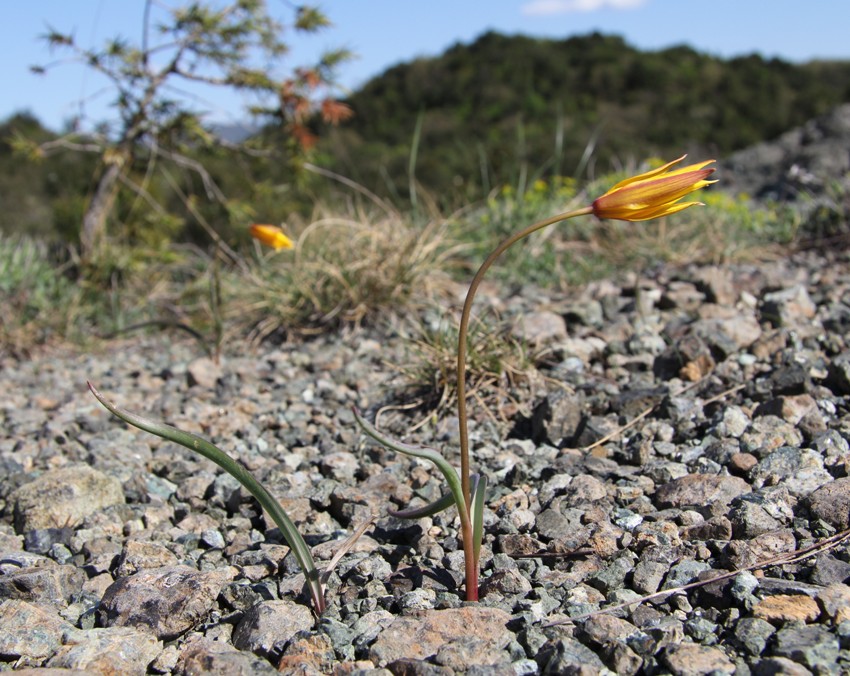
[211, 452]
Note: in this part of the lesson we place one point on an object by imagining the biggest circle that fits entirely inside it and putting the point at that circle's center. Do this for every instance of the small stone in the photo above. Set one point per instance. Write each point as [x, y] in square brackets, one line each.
[310, 652]
[828, 570]
[63, 497]
[742, 463]
[201, 655]
[648, 575]
[730, 334]
[203, 372]
[267, 626]
[114, 650]
[753, 634]
[792, 408]
[698, 490]
[138, 555]
[733, 423]
[621, 658]
[49, 584]
[29, 633]
[557, 418]
[812, 645]
[520, 545]
[540, 328]
[166, 601]
[567, 656]
[691, 659]
[421, 637]
[718, 283]
[603, 628]
[505, 582]
[788, 306]
[787, 608]
[779, 666]
[838, 374]
[831, 503]
[684, 573]
[750, 518]
[743, 553]
[835, 600]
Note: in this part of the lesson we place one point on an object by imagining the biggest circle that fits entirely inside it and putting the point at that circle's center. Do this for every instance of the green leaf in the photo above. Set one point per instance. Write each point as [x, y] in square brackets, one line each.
[479, 491]
[430, 509]
[449, 473]
[210, 451]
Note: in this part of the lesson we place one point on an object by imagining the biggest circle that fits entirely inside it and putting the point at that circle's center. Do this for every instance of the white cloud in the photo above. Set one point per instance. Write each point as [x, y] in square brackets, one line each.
[549, 7]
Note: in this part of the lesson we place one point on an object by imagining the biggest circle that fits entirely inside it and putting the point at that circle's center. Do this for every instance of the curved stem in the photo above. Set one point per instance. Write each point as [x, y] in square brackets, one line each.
[464, 330]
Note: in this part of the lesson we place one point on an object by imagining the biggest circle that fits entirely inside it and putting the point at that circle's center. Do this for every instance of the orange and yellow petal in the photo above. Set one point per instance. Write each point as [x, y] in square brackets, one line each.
[272, 236]
[654, 193]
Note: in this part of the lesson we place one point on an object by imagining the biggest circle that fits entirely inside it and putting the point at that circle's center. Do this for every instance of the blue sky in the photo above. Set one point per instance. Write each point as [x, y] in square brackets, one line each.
[386, 32]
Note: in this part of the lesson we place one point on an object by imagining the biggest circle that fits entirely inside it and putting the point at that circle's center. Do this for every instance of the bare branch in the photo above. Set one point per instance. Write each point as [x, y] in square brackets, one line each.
[65, 143]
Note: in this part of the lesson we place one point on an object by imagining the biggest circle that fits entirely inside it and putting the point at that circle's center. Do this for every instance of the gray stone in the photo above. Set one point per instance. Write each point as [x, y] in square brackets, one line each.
[690, 659]
[779, 666]
[750, 518]
[64, 497]
[613, 575]
[566, 655]
[621, 658]
[832, 503]
[201, 655]
[52, 584]
[697, 490]
[684, 573]
[753, 634]
[557, 418]
[138, 555]
[422, 637]
[811, 645]
[166, 601]
[838, 375]
[828, 570]
[540, 328]
[203, 372]
[788, 307]
[268, 625]
[507, 582]
[647, 576]
[29, 633]
[115, 650]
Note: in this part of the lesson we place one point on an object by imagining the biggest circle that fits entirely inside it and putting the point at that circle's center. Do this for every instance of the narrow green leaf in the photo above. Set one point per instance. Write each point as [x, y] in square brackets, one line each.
[448, 472]
[210, 451]
[430, 509]
[479, 493]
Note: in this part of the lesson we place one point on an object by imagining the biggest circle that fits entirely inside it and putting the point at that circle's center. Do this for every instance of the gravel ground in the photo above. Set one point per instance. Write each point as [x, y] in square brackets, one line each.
[124, 554]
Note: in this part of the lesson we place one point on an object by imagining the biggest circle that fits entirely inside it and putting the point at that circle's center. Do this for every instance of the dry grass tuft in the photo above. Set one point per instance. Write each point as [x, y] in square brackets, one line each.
[342, 271]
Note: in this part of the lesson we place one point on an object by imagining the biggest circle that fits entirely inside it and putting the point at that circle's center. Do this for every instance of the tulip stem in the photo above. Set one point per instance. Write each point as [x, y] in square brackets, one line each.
[463, 332]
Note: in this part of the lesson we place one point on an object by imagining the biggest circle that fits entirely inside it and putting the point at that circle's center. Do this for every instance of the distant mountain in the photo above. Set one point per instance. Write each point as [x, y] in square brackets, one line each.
[235, 133]
[507, 107]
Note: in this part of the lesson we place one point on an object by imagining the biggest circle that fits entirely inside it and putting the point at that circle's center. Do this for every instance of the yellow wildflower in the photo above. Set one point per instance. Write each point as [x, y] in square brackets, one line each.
[272, 236]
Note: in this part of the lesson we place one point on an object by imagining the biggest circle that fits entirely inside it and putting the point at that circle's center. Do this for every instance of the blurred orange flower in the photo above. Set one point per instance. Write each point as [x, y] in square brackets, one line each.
[272, 236]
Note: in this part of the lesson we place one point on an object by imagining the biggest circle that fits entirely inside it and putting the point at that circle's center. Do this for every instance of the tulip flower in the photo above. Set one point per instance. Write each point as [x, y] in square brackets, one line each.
[272, 236]
[654, 193]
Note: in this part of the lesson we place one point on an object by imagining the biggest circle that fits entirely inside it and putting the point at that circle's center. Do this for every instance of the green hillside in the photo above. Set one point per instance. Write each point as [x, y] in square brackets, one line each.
[501, 111]
[507, 106]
